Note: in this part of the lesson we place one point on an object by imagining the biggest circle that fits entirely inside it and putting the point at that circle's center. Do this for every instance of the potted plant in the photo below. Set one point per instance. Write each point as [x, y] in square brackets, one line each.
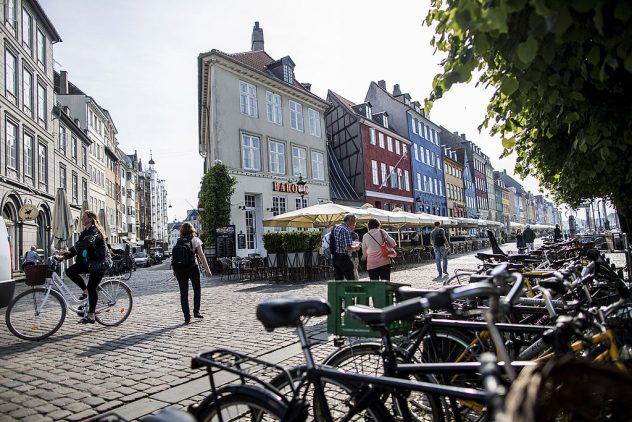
[273, 243]
[314, 240]
[295, 244]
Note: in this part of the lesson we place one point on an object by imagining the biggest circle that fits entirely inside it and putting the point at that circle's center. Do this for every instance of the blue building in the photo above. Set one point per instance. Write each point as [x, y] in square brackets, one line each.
[408, 119]
[455, 142]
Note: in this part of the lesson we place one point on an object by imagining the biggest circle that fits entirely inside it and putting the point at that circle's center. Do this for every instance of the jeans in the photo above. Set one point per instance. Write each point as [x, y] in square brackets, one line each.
[380, 273]
[441, 253]
[343, 267]
[183, 277]
[74, 273]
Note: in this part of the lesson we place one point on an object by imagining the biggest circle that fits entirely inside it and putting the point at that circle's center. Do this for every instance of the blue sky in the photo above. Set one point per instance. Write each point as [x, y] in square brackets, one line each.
[138, 59]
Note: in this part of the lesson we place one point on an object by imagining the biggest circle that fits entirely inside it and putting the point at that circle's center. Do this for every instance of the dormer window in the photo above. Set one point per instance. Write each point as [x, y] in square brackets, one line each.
[288, 74]
[385, 121]
[368, 111]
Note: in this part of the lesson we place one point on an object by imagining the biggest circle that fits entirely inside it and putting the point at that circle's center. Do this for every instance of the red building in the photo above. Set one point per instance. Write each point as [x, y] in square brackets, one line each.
[373, 157]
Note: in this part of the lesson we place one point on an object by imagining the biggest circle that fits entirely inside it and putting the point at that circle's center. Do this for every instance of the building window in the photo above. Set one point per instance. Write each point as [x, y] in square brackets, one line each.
[11, 138]
[11, 76]
[393, 177]
[296, 115]
[383, 170]
[372, 136]
[75, 188]
[380, 136]
[84, 189]
[11, 15]
[404, 150]
[414, 124]
[314, 122]
[62, 176]
[27, 91]
[425, 187]
[416, 148]
[84, 157]
[397, 147]
[273, 108]
[43, 165]
[389, 143]
[301, 203]
[419, 185]
[41, 105]
[374, 172]
[41, 48]
[248, 98]
[279, 206]
[299, 161]
[406, 181]
[28, 154]
[400, 179]
[73, 151]
[27, 30]
[277, 157]
[385, 120]
[288, 74]
[250, 153]
[62, 139]
[318, 165]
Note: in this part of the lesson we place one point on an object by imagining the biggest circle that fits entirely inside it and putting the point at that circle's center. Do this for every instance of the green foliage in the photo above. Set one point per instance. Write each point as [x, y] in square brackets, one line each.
[297, 241]
[562, 73]
[273, 242]
[217, 188]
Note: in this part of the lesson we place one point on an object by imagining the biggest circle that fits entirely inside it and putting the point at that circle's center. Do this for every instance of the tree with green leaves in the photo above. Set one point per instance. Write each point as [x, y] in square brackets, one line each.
[217, 188]
[562, 78]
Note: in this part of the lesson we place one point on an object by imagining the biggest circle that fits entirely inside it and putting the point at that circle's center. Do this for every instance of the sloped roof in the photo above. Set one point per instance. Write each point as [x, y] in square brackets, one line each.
[339, 186]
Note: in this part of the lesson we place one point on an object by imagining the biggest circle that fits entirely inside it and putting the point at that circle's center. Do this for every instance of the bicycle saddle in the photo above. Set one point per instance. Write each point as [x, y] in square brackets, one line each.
[287, 311]
[404, 293]
[366, 314]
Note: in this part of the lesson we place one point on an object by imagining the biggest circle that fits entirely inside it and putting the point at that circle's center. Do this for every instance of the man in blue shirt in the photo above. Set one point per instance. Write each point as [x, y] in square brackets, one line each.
[343, 248]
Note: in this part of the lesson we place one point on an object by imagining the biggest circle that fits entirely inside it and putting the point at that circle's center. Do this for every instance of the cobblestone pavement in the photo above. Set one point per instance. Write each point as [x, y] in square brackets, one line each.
[143, 364]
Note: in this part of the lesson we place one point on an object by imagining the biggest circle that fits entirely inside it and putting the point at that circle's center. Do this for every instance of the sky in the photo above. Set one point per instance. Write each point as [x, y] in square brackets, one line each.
[138, 60]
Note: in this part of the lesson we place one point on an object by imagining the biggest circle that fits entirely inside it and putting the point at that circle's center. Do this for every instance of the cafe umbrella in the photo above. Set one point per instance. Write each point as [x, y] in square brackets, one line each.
[63, 223]
[104, 223]
[324, 214]
[84, 208]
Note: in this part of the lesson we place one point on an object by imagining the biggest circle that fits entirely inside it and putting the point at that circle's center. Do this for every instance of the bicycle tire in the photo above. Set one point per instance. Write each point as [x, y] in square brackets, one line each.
[366, 358]
[126, 273]
[114, 304]
[237, 406]
[25, 324]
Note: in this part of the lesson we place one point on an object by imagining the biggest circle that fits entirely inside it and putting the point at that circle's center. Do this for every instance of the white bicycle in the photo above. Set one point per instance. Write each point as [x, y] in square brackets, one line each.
[39, 311]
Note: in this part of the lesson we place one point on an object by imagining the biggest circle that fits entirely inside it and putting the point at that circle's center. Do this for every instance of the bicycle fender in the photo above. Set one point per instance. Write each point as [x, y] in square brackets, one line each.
[343, 350]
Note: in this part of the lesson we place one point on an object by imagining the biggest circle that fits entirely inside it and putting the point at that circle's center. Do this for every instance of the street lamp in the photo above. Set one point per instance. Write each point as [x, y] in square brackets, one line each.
[301, 186]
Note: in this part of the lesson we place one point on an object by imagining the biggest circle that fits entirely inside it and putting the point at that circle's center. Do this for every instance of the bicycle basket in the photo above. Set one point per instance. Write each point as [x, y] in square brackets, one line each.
[36, 274]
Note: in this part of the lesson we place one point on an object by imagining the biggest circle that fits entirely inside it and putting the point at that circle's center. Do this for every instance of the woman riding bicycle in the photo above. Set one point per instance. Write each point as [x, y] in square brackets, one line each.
[91, 249]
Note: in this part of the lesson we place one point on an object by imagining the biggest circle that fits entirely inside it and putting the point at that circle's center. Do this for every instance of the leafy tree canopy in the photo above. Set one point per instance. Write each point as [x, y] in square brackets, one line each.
[562, 74]
[217, 188]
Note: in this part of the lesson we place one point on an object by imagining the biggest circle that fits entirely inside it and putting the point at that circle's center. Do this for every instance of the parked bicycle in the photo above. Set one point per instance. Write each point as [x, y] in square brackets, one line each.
[39, 311]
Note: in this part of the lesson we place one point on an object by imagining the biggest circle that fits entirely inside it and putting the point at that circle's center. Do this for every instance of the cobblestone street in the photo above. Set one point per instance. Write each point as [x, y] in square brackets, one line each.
[143, 364]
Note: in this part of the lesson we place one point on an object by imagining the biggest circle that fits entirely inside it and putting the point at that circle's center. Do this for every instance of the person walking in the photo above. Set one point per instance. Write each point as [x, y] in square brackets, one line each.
[440, 244]
[341, 245]
[557, 233]
[185, 268]
[529, 237]
[92, 253]
[355, 256]
[31, 257]
[520, 240]
[378, 266]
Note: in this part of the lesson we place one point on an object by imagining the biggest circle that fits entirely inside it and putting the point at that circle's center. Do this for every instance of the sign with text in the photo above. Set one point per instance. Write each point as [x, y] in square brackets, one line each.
[225, 242]
[290, 188]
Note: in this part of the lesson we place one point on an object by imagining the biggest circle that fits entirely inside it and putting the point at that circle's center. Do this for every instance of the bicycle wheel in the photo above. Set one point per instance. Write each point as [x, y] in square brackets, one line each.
[35, 315]
[366, 358]
[126, 272]
[114, 304]
[239, 406]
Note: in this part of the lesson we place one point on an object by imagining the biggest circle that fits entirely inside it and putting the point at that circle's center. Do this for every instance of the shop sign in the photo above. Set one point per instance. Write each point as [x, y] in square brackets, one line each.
[290, 187]
[28, 212]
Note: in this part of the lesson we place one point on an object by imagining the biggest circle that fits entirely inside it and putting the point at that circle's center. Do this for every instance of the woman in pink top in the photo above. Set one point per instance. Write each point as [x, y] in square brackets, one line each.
[378, 266]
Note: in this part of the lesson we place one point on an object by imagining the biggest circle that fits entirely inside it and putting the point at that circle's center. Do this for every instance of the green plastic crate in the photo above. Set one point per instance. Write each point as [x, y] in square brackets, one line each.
[378, 294]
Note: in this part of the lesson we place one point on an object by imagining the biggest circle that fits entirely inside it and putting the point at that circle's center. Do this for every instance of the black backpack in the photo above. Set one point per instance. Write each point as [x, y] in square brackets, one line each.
[183, 254]
[439, 238]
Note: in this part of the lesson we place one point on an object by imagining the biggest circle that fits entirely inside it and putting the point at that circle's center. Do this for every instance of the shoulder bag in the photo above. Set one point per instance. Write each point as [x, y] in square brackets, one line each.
[386, 250]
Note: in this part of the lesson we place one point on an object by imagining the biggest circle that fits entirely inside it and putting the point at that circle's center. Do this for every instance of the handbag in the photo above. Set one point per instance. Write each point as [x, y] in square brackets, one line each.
[387, 250]
[95, 266]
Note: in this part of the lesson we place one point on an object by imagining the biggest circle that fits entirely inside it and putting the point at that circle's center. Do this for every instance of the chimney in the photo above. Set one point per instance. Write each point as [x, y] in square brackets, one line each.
[463, 137]
[382, 84]
[396, 90]
[63, 82]
[257, 38]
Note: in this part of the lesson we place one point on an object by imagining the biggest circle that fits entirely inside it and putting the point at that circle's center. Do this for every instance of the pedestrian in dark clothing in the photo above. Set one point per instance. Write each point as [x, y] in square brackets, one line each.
[520, 240]
[185, 268]
[343, 247]
[529, 237]
[441, 245]
[90, 247]
[557, 233]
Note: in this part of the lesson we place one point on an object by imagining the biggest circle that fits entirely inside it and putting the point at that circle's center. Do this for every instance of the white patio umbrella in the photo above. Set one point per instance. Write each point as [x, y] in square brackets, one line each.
[385, 217]
[63, 223]
[324, 214]
[104, 223]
